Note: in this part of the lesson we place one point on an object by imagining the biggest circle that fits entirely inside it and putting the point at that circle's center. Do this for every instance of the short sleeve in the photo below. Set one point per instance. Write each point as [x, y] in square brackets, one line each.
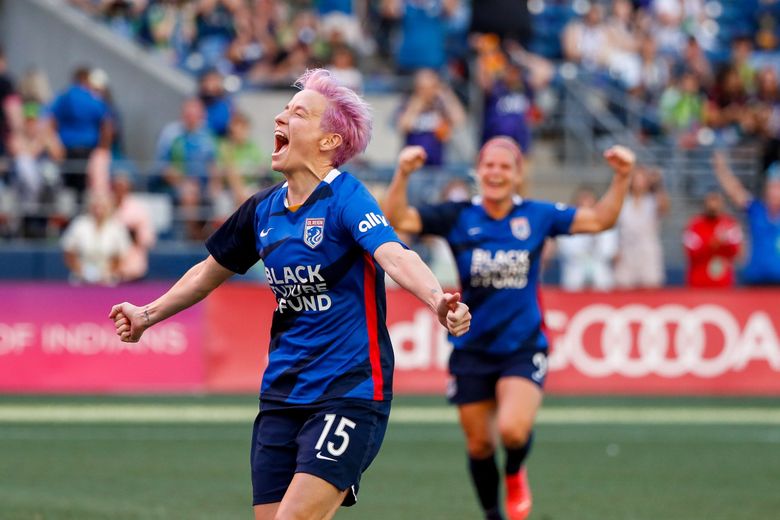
[439, 219]
[234, 245]
[365, 222]
[560, 216]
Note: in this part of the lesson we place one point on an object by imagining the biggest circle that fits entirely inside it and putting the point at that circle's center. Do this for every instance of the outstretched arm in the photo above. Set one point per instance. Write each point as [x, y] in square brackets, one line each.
[728, 181]
[409, 271]
[131, 321]
[395, 206]
[606, 211]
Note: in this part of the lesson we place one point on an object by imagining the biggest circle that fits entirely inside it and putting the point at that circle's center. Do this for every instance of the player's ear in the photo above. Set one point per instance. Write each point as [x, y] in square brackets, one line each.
[330, 142]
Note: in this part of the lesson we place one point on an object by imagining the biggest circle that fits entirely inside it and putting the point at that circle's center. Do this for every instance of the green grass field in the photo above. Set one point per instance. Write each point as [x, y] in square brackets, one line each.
[187, 457]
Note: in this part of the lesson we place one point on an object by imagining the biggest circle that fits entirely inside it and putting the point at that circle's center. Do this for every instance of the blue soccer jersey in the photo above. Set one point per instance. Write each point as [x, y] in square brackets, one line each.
[498, 263]
[328, 337]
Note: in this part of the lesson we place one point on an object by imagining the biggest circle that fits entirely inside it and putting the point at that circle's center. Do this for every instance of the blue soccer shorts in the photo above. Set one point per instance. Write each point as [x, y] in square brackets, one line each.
[474, 375]
[336, 441]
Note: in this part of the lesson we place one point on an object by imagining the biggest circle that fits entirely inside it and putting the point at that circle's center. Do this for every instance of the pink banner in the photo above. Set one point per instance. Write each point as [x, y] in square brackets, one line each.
[59, 338]
[676, 341]
[672, 341]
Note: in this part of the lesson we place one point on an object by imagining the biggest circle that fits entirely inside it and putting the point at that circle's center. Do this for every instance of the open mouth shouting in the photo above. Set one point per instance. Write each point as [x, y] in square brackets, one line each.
[281, 143]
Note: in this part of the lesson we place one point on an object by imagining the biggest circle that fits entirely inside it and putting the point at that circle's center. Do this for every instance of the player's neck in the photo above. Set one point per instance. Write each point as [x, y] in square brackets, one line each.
[497, 209]
[301, 184]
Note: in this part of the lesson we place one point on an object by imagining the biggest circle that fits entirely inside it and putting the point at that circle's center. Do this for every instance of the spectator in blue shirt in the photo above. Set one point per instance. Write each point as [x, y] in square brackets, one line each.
[423, 32]
[219, 107]
[83, 122]
[763, 216]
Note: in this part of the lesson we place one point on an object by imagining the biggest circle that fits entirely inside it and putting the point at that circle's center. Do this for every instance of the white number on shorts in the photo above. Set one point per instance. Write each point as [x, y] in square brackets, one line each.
[540, 362]
[340, 432]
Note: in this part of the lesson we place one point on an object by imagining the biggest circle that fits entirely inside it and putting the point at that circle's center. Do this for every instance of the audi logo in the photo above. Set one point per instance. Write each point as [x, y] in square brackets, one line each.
[669, 341]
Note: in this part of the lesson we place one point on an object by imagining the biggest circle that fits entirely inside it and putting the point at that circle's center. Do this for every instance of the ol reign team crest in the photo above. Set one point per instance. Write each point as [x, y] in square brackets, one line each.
[521, 228]
[313, 231]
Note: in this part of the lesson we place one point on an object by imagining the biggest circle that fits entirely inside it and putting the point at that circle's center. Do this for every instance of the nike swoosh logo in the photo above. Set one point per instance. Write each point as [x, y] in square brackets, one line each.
[323, 457]
[474, 231]
[264, 233]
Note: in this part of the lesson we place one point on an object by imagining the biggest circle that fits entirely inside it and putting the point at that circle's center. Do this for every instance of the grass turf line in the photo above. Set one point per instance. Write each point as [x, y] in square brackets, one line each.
[578, 471]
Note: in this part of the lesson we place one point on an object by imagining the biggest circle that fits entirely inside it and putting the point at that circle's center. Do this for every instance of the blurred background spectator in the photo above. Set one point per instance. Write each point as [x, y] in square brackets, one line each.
[712, 240]
[682, 109]
[726, 110]
[342, 65]
[429, 115]
[423, 31]
[211, 91]
[241, 163]
[83, 122]
[508, 106]
[168, 27]
[763, 216]
[35, 90]
[37, 155]
[585, 40]
[99, 83]
[187, 152]
[671, 79]
[587, 261]
[640, 263]
[95, 242]
[136, 217]
[10, 107]
[187, 149]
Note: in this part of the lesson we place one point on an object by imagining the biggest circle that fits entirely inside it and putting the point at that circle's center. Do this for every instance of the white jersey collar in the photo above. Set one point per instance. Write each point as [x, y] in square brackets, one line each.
[329, 178]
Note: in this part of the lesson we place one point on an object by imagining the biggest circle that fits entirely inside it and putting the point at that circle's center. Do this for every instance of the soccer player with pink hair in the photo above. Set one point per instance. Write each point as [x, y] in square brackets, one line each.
[325, 245]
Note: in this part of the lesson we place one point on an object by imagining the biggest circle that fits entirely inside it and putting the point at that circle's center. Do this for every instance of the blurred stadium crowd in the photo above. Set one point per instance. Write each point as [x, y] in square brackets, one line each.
[699, 73]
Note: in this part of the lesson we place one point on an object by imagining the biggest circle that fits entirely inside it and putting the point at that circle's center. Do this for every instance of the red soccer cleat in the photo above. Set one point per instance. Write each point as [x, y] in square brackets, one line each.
[518, 496]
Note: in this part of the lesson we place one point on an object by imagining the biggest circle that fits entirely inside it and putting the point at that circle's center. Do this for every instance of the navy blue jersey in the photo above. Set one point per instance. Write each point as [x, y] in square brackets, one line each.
[328, 337]
[498, 265]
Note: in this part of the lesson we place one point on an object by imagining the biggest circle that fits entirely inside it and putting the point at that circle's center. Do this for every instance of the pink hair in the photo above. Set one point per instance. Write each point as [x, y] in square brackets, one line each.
[507, 143]
[347, 114]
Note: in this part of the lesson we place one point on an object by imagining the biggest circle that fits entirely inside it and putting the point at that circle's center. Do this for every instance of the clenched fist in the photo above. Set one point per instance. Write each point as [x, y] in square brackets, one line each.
[411, 159]
[130, 321]
[453, 314]
[620, 159]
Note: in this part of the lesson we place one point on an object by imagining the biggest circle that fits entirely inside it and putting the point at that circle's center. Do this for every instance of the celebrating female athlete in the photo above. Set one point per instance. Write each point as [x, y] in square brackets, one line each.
[325, 395]
[498, 368]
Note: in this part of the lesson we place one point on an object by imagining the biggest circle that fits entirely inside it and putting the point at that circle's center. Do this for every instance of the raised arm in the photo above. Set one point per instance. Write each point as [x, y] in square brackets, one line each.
[410, 113]
[395, 206]
[131, 321]
[606, 211]
[452, 106]
[728, 181]
[410, 272]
